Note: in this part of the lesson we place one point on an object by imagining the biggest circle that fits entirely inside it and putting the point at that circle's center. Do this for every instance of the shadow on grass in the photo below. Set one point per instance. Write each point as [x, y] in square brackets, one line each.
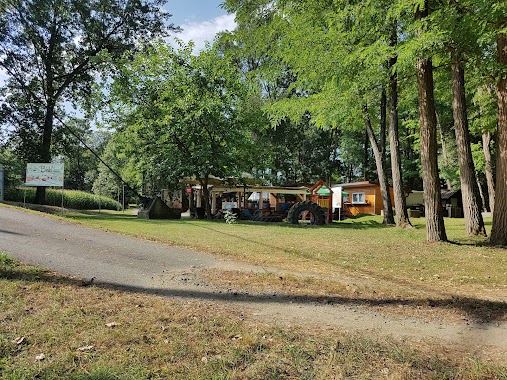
[478, 310]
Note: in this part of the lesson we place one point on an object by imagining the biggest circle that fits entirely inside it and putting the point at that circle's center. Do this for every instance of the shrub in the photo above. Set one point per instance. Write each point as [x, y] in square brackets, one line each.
[75, 199]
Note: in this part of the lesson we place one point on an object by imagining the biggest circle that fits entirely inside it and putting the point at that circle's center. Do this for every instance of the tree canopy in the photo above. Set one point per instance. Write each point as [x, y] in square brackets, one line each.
[52, 50]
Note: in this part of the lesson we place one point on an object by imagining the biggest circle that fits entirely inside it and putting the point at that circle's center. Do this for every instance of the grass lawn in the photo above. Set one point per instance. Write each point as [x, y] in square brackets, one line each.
[360, 247]
[100, 333]
[53, 328]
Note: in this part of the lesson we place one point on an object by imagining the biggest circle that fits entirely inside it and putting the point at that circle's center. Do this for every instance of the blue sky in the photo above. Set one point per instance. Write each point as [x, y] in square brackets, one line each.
[200, 19]
[194, 10]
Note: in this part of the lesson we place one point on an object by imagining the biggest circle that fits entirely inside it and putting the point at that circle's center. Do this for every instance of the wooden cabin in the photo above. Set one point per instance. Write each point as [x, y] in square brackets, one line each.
[363, 198]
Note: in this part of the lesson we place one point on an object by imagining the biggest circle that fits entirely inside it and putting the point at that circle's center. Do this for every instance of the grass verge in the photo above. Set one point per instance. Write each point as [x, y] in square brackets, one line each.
[100, 333]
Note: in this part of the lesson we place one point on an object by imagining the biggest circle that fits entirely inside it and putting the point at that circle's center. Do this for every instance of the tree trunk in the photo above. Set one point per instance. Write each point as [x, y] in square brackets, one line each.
[381, 170]
[481, 192]
[205, 194]
[499, 228]
[486, 140]
[365, 157]
[435, 228]
[383, 126]
[472, 204]
[45, 150]
[400, 202]
[443, 144]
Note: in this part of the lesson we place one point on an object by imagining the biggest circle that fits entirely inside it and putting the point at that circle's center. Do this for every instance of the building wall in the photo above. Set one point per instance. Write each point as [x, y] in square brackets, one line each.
[373, 198]
[415, 198]
[355, 209]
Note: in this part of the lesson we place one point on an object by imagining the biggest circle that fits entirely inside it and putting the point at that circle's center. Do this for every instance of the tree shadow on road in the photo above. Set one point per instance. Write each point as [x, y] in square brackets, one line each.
[478, 311]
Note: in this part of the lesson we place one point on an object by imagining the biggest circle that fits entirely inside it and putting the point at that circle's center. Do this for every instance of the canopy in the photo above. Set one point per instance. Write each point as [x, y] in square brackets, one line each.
[323, 191]
[254, 197]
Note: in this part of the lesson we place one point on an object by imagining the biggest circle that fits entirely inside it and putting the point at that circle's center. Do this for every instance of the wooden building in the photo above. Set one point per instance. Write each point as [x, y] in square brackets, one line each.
[452, 203]
[363, 198]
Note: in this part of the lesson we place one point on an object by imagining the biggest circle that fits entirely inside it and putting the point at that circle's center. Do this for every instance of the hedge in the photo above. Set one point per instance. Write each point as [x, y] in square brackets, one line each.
[75, 199]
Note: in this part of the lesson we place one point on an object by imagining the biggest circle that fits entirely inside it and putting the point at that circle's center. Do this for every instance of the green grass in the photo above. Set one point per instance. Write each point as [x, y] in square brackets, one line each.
[159, 338]
[359, 247]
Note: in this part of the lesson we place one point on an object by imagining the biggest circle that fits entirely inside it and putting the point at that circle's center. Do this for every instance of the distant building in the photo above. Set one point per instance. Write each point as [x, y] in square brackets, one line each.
[363, 198]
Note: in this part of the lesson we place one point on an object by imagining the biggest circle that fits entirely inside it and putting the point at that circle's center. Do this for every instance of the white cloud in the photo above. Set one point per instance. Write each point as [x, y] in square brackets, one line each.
[200, 32]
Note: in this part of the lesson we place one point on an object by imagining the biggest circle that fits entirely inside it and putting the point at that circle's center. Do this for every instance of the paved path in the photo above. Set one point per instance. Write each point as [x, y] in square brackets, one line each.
[145, 266]
[75, 250]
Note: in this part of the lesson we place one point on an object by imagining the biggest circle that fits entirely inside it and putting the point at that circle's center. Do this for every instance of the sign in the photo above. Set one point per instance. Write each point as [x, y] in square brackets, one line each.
[44, 174]
[337, 197]
[229, 205]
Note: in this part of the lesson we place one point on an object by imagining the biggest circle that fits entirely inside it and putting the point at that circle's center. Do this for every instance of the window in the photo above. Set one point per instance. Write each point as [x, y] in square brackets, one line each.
[358, 198]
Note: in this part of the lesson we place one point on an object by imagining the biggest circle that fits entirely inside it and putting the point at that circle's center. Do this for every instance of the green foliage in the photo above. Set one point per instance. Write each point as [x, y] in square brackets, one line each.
[52, 51]
[230, 217]
[13, 168]
[73, 199]
[7, 261]
[180, 115]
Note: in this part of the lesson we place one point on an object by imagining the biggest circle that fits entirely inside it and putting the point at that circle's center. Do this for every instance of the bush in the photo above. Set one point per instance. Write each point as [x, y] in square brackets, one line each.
[75, 199]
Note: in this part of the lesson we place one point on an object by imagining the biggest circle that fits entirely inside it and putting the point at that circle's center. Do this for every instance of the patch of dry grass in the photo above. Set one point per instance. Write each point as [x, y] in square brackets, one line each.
[100, 333]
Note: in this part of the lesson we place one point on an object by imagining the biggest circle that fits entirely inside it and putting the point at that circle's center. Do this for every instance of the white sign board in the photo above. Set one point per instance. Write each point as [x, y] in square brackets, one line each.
[44, 174]
[337, 197]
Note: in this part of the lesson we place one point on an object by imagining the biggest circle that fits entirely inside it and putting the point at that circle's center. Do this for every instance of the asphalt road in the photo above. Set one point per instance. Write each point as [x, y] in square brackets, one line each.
[75, 250]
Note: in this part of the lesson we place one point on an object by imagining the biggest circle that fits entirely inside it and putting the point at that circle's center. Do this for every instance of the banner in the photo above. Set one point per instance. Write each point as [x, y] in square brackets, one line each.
[44, 174]
[337, 197]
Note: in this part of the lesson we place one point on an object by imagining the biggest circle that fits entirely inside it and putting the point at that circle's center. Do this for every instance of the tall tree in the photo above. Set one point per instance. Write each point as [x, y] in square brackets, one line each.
[435, 228]
[493, 23]
[499, 228]
[459, 28]
[52, 49]
[472, 203]
[382, 173]
[400, 203]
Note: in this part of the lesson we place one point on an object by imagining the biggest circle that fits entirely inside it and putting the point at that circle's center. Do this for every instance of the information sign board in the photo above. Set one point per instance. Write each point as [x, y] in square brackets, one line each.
[38, 174]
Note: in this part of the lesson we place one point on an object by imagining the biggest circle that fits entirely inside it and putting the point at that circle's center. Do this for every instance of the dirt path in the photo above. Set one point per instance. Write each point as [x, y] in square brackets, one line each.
[144, 266]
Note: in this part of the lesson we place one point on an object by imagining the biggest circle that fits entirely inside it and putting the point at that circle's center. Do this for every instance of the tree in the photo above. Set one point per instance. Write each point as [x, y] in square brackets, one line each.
[472, 203]
[341, 70]
[52, 49]
[484, 123]
[499, 228]
[400, 203]
[460, 40]
[183, 115]
[435, 228]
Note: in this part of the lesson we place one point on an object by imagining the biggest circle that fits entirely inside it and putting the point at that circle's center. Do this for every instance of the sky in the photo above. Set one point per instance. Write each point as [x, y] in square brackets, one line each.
[200, 20]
